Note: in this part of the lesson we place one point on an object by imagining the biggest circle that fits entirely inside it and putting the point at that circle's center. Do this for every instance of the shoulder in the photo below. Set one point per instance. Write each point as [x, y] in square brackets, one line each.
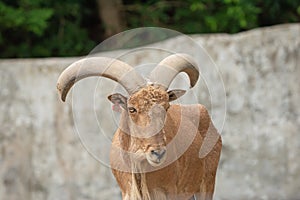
[197, 113]
[190, 110]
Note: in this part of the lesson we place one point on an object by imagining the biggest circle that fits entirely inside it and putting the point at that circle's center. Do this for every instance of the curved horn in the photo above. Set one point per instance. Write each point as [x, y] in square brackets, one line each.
[99, 66]
[168, 68]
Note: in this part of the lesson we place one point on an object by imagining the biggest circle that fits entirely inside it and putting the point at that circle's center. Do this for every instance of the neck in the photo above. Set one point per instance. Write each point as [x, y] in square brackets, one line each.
[139, 187]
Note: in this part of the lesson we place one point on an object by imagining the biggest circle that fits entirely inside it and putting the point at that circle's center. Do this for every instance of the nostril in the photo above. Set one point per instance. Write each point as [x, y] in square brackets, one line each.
[155, 152]
[158, 153]
[162, 153]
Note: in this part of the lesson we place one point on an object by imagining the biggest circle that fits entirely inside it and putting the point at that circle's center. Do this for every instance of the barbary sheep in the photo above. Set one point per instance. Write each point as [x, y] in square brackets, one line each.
[160, 151]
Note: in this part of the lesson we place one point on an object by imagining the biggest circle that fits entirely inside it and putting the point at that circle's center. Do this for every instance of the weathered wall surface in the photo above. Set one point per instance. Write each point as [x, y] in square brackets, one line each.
[42, 157]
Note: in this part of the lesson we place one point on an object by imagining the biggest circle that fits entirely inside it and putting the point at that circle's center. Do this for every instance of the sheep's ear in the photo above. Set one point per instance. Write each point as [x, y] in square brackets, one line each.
[175, 94]
[118, 100]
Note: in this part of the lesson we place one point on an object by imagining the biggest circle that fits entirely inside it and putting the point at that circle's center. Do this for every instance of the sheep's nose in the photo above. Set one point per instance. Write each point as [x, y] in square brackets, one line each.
[159, 153]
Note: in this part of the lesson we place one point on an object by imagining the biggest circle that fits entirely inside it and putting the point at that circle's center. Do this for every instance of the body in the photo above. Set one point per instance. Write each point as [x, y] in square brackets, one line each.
[188, 175]
[160, 151]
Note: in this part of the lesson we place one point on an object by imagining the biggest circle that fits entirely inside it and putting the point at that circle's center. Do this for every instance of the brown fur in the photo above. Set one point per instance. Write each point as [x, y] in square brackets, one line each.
[187, 176]
[147, 97]
[159, 151]
[144, 100]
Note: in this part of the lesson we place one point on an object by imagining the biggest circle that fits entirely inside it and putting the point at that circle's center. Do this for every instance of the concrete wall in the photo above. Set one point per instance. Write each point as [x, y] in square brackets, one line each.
[50, 150]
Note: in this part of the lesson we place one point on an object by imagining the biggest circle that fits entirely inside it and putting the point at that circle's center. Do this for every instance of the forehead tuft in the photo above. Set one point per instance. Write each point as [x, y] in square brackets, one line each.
[149, 96]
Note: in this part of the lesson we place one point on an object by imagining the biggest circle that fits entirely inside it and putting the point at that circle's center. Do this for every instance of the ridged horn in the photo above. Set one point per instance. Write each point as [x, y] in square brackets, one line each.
[110, 68]
[164, 73]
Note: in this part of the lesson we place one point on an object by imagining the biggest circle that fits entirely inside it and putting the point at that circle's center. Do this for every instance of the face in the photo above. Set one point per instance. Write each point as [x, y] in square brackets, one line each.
[146, 114]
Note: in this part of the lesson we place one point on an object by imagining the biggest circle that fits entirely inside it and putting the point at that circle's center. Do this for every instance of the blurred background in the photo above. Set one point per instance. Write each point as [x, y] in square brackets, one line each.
[37, 28]
[49, 149]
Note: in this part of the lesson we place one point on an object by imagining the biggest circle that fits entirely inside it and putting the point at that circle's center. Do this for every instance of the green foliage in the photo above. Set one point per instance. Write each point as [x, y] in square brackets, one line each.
[206, 16]
[196, 16]
[38, 28]
[32, 20]
[278, 11]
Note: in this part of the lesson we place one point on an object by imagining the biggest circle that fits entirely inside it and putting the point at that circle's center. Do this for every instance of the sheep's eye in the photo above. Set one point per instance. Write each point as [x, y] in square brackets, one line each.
[132, 110]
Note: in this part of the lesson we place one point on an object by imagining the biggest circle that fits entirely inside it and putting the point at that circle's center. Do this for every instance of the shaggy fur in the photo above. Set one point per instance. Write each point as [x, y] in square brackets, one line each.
[187, 176]
[147, 97]
[159, 151]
